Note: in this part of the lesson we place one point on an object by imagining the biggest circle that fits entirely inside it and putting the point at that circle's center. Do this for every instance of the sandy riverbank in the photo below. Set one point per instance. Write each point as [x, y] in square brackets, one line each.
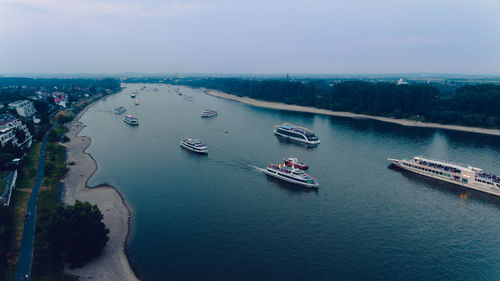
[404, 122]
[113, 264]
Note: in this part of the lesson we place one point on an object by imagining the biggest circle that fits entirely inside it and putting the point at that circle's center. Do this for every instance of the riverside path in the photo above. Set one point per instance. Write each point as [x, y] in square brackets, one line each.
[26, 252]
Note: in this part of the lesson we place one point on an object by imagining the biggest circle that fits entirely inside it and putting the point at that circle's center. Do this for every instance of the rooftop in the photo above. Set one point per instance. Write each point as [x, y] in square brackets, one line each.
[6, 118]
[17, 103]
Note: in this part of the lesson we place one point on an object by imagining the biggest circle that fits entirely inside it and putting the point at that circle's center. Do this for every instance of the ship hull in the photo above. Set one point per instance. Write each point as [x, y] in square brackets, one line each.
[301, 140]
[199, 151]
[209, 115]
[131, 123]
[398, 163]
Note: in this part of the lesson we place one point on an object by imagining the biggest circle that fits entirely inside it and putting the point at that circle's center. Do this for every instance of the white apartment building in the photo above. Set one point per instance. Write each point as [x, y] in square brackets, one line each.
[24, 108]
[8, 124]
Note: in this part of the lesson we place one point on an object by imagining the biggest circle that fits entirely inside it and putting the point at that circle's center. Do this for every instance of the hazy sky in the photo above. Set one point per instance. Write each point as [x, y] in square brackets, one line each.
[257, 36]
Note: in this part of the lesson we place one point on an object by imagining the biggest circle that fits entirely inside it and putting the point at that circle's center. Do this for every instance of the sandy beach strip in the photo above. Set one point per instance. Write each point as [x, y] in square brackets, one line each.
[113, 263]
[308, 109]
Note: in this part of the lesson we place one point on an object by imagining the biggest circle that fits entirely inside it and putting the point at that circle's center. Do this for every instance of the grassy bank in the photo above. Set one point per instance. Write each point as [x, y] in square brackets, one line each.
[47, 265]
[18, 204]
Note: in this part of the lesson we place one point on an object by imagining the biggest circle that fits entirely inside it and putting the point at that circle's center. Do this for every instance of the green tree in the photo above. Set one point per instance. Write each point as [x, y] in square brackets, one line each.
[5, 235]
[9, 148]
[77, 233]
[53, 136]
[41, 106]
[20, 135]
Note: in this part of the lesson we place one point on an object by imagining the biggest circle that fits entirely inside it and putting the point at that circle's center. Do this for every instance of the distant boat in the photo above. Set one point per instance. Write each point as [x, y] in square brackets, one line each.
[226, 131]
[136, 102]
[131, 120]
[132, 95]
[188, 98]
[120, 110]
[209, 113]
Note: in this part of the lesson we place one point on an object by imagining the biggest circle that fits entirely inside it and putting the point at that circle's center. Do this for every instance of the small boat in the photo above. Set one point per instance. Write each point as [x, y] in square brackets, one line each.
[194, 145]
[226, 131]
[136, 102]
[131, 120]
[294, 162]
[290, 174]
[209, 113]
[132, 95]
[188, 98]
[120, 110]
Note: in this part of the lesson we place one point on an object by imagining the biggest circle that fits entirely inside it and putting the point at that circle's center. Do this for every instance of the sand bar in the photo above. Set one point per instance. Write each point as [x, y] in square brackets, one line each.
[113, 263]
[299, 108]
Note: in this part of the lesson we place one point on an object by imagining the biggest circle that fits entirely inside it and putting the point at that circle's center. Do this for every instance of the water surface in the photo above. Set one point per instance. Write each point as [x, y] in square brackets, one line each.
[216, 217]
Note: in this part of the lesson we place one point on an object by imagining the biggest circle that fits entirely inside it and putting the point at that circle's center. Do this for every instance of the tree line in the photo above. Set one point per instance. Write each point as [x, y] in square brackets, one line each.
[471, 105]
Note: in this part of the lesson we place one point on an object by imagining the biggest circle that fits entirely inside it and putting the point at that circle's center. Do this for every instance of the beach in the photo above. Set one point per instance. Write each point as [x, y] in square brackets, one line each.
[113, 263]
[308, 109]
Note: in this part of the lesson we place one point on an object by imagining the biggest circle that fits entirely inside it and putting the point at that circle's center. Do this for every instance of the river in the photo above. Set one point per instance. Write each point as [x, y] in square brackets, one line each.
[216, 217]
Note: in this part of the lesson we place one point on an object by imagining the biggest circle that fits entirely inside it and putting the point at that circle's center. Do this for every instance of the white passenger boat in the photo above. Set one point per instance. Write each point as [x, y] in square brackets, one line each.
[290, 174]
[291, 161]
[470, 177]
[209, 113]
[296, 133]
[131, 120]
[194, 145]
[120, 110]
[132, 95]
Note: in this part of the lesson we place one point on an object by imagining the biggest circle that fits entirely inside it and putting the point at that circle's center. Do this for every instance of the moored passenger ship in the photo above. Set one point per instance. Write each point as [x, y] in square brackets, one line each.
[296, 133]
[470, 177]
[290, 174]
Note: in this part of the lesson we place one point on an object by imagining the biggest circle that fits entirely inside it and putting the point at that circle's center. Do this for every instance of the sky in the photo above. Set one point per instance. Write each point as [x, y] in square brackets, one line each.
[258, 36]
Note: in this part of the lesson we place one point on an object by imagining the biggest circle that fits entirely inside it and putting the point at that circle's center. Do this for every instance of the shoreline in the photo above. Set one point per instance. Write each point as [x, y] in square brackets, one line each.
[308, 109]
[113, 263]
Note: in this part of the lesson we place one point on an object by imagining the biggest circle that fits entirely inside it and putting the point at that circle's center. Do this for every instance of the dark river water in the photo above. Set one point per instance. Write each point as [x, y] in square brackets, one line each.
[216, 217]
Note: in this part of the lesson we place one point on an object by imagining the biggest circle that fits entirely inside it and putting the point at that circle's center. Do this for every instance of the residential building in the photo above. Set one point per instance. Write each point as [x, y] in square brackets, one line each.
[6, 191]
[8, 125]
[24, 108]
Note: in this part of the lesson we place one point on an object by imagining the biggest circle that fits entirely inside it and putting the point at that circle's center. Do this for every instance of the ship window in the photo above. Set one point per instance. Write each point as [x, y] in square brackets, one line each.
[465, 180]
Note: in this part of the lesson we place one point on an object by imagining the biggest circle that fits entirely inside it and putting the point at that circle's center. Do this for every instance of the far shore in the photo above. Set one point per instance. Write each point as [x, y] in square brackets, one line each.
[113, 263]
[308, 109]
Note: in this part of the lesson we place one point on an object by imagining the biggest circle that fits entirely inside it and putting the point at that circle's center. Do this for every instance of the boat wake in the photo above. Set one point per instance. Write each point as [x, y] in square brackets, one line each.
[256, 168]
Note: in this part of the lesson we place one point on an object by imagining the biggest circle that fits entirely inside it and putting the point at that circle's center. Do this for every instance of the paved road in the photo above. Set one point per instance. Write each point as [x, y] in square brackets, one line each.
[26, 252]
